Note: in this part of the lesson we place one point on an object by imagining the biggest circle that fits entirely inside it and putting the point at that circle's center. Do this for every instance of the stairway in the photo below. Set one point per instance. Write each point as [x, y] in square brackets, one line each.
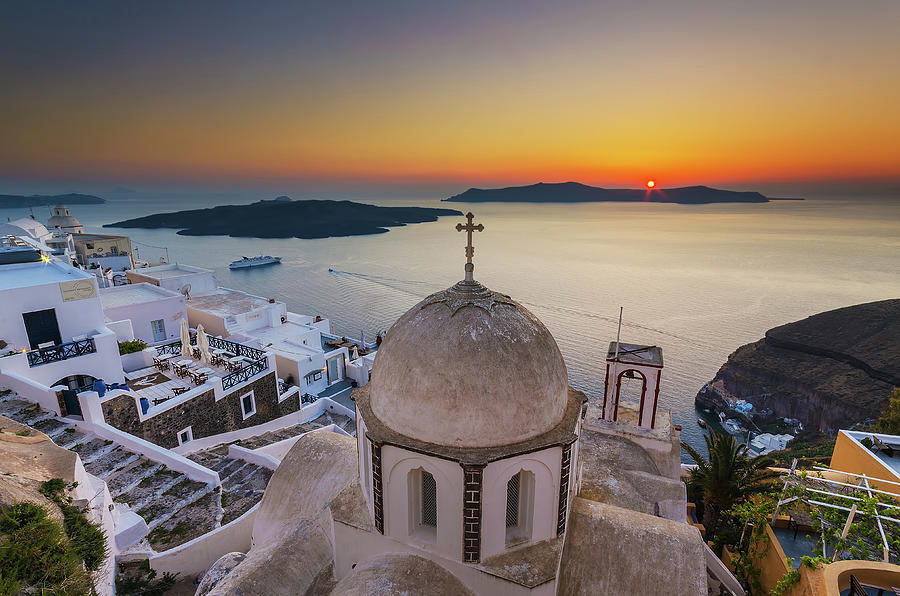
[176, 508]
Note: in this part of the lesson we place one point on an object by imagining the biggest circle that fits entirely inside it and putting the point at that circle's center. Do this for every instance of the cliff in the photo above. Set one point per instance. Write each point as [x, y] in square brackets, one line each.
[830, 370]
[284, 218]
[574, 192]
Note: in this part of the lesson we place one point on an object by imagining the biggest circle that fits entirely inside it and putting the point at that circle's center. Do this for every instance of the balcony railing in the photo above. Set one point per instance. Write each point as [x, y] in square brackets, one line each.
[258, 364]
[243, 374]
[72, 349]
[215, 343]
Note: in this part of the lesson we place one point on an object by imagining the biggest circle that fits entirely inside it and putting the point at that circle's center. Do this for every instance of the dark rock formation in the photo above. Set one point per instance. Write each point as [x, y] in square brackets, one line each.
[283, 218]
[830, 370]
[17, 201]
[574, 192]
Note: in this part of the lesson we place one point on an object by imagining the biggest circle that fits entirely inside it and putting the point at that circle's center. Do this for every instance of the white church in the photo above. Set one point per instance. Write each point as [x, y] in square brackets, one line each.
[477, 470]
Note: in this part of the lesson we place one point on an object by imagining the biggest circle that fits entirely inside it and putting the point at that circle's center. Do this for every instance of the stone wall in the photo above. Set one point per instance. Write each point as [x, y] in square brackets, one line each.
[203, 414]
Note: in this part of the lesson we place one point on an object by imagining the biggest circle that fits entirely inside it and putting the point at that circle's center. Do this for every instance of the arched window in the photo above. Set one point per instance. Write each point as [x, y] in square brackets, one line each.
[423, 504]
[519, 508]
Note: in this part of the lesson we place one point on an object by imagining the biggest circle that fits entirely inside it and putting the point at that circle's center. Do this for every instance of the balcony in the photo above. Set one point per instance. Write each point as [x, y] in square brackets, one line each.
[65, 351]
[257, 362]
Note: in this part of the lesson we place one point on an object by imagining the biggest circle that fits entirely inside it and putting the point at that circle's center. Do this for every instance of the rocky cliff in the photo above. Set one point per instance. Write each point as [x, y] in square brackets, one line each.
[830, 370]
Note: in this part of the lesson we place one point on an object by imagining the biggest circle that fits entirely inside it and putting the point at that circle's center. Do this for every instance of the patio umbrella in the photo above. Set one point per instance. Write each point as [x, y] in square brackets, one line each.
[185, 339]
[354, 353]
[203, 344]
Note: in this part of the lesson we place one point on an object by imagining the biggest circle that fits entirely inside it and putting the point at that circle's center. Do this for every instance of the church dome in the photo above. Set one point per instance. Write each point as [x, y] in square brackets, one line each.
[62, 219]
[468, 367]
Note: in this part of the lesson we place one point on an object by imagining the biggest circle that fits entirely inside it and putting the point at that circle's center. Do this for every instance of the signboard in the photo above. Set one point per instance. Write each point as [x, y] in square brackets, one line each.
[252, 316]
[78, 289]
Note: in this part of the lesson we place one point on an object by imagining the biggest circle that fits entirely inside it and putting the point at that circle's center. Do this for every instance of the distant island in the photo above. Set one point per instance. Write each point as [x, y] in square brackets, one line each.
[285, 218]
[574, 192]
[18, 201]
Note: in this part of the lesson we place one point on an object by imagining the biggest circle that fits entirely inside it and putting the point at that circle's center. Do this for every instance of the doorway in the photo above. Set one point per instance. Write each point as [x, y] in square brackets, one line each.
[42, 327]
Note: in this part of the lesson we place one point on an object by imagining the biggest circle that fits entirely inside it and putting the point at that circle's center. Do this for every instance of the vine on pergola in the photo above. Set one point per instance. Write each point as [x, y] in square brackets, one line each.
[852, 519]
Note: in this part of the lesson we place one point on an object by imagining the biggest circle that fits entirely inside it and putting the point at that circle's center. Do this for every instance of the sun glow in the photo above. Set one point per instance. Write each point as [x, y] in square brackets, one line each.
[651, 183]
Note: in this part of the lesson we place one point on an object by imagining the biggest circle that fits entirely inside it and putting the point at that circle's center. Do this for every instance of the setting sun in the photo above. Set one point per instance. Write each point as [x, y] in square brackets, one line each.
[650, 183]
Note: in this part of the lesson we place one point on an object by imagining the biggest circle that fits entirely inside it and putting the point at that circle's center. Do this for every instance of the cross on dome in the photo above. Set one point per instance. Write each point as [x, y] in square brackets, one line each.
[469, 227]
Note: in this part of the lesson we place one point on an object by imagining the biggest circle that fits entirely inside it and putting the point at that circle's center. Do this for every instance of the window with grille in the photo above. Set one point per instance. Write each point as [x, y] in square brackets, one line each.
[429, 501]
[519, 508]
[512, 502]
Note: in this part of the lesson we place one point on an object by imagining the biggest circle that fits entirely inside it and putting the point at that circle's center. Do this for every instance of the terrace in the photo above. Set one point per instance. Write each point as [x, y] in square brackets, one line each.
[174, 375]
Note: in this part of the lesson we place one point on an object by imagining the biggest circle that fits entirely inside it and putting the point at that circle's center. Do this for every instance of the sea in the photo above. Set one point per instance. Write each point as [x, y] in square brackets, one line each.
[696, 280]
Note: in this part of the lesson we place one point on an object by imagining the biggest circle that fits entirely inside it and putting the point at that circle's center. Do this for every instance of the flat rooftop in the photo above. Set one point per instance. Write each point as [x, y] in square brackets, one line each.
[89, 237]
[133, 294]
[635, 354]
[224, 301]
[285, 338]
[22, 275]
[170, 271]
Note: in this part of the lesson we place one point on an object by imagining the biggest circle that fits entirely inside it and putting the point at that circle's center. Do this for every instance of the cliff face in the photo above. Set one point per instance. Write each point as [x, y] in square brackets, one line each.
[830, 370]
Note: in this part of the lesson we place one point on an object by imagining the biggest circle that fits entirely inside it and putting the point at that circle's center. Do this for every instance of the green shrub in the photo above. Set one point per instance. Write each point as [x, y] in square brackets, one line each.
[142, 581]
[36, 556]
[130, 347]
[867, 442]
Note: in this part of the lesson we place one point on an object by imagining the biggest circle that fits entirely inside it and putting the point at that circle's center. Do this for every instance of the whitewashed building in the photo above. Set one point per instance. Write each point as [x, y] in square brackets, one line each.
[143, 311]
[307, 354]
[53, 327]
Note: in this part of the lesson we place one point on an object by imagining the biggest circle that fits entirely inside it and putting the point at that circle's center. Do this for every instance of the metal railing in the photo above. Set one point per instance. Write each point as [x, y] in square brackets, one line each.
[72, 349]
[258, 364]
[245, 373]
[216, 344]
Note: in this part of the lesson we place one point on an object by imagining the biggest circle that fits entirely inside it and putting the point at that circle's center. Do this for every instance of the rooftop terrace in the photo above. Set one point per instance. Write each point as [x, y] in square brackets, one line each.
[170, 271]
[116, 296]
[20, 275]
[224, 302]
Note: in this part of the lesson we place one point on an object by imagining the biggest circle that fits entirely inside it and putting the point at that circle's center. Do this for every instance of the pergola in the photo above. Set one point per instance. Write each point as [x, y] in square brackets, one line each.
[811, 487]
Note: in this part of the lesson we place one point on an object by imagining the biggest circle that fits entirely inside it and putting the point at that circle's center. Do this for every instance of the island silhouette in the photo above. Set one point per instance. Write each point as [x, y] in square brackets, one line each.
[286, 218]
[575, 192]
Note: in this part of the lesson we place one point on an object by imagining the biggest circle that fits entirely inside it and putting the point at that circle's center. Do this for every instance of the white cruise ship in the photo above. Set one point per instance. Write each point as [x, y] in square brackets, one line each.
[254, 261]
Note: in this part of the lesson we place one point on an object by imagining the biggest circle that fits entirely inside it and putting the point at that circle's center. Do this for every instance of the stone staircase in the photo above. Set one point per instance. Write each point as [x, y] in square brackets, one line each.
[176, 508]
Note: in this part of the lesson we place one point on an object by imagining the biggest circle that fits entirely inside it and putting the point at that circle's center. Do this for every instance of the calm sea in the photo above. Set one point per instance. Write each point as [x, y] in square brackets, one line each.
[699, 281]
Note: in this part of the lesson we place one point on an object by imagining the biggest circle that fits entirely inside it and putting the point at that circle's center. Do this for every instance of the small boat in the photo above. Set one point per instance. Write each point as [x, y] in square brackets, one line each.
[254, 262]
[701, 422]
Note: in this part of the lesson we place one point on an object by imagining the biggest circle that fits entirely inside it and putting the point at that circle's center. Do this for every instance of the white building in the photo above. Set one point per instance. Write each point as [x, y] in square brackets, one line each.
[26, 227]
[143, 311]
[55, 334]
[306, 353]
[767, 443]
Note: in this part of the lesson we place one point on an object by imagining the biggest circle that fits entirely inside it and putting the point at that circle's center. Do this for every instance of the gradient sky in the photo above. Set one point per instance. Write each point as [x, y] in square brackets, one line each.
[417, 92]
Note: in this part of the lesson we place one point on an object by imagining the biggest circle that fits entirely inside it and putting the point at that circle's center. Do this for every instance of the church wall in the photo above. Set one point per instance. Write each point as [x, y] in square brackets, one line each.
[354, 546]
[545, 465]
[364, 451]
[396, 464]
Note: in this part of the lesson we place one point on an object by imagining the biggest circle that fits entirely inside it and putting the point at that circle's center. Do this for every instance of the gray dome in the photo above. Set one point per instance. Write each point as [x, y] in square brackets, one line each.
[468, 367]
[62, 219]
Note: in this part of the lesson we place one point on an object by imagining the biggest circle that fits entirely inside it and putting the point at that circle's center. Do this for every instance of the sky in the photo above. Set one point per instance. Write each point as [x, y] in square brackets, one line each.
[394, 94]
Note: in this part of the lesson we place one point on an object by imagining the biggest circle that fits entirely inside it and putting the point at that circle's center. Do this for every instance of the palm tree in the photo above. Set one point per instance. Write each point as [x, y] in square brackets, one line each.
[728, 476]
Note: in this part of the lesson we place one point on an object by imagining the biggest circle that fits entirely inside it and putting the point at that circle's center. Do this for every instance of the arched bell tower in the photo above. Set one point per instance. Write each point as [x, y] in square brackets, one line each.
[632, 361]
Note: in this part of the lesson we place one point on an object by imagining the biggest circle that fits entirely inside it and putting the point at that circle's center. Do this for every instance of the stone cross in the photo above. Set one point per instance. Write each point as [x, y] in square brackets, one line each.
[469, 227]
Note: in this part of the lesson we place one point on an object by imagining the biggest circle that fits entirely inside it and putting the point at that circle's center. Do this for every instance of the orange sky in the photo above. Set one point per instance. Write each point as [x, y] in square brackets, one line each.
[683, 92]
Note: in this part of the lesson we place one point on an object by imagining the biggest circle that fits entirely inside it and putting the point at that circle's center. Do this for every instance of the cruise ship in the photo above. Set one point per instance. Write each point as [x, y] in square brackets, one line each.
[254, 262]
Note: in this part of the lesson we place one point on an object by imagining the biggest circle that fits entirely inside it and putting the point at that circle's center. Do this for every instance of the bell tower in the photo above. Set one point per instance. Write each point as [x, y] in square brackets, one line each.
[631, 361]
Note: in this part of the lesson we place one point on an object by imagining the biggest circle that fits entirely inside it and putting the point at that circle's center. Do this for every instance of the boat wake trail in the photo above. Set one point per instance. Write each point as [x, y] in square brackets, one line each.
[421, 289]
